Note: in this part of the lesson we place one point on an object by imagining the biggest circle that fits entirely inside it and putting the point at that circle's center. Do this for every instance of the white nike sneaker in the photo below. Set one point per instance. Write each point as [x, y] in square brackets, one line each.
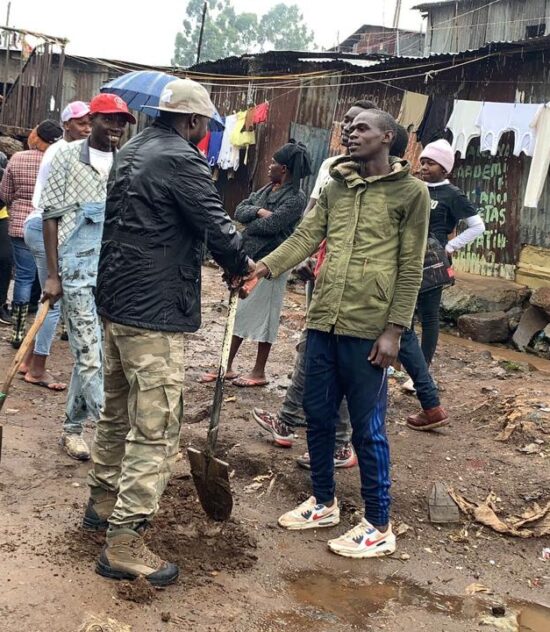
[311, 515]
[364, 541]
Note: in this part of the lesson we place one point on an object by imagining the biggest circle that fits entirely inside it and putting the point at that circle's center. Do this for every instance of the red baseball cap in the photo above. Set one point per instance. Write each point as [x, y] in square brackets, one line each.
[111, 104]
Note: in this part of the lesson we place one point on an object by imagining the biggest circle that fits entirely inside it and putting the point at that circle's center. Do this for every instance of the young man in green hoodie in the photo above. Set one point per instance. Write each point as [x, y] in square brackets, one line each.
[374, 215]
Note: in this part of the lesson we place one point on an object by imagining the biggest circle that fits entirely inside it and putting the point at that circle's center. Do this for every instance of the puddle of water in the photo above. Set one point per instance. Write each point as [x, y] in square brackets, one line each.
[352, 600]
[499, 353]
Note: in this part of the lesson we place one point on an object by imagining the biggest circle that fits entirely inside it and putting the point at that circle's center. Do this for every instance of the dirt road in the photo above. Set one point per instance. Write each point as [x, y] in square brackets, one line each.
[248, 575]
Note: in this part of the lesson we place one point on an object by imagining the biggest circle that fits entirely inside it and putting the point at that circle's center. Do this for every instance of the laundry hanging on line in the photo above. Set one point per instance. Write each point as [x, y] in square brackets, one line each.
[413, 108]
[435, 120]
[538, 174]
[463, 124]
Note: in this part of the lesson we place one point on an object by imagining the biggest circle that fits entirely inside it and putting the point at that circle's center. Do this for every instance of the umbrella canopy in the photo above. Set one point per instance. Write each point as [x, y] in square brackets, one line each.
[143, 88]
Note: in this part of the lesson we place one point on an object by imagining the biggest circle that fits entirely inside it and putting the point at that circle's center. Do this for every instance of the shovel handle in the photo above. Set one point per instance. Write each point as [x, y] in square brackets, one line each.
[222, 369]
[21, 353]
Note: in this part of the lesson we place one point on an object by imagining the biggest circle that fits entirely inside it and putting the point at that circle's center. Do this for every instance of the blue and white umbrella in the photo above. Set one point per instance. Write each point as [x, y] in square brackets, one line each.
[143, 88]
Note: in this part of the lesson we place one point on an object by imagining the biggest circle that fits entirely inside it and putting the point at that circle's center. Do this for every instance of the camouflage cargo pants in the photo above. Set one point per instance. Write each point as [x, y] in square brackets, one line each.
[137, 435]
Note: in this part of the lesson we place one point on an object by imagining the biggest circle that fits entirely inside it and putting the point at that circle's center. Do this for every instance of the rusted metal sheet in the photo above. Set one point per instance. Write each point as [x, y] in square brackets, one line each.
[317, 142]
[493, 185]
[318, 101]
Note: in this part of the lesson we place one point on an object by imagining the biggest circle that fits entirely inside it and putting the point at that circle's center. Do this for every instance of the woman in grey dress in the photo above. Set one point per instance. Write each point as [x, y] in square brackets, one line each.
[269, 216]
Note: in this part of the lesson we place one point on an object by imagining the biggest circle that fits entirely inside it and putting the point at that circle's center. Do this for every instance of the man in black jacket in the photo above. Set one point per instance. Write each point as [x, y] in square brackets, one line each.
[161, 206]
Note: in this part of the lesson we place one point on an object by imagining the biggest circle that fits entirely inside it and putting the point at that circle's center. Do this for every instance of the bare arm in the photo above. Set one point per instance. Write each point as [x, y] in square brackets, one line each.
[52, 288]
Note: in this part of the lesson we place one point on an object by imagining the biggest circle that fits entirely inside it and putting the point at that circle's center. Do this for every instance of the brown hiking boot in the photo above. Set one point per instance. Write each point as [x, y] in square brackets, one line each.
[429, 419]
[126, 556]
[98, 511]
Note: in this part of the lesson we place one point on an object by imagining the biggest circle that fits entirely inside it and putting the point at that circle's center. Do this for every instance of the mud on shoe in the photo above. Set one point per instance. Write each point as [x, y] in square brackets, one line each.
[75, 446]
[364, 541]
[97, 513]
[126, 556]
[282, 434]
[311, 515]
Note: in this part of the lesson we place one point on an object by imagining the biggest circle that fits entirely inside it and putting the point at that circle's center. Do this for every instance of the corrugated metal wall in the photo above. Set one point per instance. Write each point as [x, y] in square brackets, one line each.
[470, 24]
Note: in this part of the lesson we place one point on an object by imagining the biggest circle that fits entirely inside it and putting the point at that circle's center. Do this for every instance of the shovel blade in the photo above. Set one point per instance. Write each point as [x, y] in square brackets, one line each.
[211, 478]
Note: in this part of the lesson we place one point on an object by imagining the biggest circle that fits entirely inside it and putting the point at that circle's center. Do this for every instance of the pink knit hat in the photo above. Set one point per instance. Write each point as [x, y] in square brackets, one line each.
[441, 152]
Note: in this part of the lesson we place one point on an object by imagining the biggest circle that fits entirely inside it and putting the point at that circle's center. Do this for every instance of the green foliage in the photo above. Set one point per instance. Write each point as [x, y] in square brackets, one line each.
[227, 32]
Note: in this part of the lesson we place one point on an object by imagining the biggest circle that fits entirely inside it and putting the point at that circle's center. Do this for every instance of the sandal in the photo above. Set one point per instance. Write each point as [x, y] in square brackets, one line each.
[52, 386]
[247, 382]
[208, 378]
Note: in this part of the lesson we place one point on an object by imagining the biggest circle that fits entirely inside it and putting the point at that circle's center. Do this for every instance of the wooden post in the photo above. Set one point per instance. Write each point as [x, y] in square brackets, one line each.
[199, 47]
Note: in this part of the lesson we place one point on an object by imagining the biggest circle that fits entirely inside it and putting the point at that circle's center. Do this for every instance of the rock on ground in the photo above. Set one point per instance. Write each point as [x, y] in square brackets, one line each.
[485, 327]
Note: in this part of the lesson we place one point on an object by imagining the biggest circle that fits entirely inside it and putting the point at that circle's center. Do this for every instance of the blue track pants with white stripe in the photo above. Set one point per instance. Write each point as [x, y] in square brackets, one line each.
[338, 366]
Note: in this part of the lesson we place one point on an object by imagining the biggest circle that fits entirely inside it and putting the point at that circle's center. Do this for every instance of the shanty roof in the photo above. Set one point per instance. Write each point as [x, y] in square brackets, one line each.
[426, 6]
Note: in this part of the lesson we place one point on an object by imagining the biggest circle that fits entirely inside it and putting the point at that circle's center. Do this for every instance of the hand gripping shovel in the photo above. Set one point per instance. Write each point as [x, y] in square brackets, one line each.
[211, 475]
[21, 353]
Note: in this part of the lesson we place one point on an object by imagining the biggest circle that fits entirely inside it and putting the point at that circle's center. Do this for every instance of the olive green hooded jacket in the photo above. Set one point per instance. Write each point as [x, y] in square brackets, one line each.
[376, 230]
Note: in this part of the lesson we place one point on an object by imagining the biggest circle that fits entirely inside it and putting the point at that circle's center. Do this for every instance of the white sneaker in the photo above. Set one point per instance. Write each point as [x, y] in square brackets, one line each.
[310, 515]
[364, 541]
[75, 446]
[408, 386]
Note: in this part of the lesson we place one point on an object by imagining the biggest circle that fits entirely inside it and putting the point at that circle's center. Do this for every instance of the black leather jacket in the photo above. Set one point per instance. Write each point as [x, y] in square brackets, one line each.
[161, 205]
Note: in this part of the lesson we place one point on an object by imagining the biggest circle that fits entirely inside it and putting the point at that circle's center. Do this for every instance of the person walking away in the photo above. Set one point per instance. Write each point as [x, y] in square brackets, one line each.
[16, 191]
[449, 206]
[162, 204]
[269, 217]
[75, 119]
[6, 259]
[374, 217]
[73, 200]
[291, 415]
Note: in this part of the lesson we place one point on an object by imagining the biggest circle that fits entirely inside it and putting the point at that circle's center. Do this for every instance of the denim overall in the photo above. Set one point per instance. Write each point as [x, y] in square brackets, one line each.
[78, 261]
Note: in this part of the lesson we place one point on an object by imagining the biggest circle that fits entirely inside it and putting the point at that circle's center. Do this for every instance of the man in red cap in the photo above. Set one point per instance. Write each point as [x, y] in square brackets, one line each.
[73, 200]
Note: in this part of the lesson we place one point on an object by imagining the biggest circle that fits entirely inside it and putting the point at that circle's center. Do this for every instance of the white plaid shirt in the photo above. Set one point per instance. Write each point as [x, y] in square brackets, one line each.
[72, 180]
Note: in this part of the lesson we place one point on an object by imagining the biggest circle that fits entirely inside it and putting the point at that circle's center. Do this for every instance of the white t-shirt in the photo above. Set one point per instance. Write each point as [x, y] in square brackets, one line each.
[42, 176]
[323, 177]
[102, 161]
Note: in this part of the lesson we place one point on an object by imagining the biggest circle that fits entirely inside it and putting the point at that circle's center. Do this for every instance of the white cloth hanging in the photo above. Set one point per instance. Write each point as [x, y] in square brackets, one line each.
[493, 121]
[229, 155]
[463, 124]
[520, 123]
[538, 174]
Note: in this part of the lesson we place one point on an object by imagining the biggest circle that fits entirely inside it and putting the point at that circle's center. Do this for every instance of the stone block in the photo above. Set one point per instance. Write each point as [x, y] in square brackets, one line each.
[485, 326]
[541, 298]
[474, 294]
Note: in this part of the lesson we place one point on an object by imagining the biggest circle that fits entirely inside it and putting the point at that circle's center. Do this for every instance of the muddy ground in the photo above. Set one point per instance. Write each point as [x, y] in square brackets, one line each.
[247, 574]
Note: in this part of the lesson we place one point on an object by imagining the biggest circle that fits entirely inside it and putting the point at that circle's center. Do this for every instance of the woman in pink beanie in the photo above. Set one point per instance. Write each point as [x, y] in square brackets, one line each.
[449, 207]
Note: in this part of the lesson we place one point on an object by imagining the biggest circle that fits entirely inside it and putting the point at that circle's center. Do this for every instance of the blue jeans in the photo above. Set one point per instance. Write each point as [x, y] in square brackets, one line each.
[337, 366]
[412, 358]
[427, 309]
[78, 259]
[34, 238]
[25, 271]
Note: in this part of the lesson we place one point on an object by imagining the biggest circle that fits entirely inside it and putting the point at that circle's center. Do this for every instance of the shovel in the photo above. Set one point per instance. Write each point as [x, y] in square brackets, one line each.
[211, 475]
[21, 353]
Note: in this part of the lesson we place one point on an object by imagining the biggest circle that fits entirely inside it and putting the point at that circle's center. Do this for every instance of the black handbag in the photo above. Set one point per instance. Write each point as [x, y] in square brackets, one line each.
[438, 270]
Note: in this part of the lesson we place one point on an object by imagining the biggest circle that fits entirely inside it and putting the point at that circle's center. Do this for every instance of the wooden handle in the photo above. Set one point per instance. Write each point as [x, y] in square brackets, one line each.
[23, 349]
[220, 381]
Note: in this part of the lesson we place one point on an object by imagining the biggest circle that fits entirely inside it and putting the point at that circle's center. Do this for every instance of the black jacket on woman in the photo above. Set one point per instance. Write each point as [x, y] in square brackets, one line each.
[263, 234]
[161, 206]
